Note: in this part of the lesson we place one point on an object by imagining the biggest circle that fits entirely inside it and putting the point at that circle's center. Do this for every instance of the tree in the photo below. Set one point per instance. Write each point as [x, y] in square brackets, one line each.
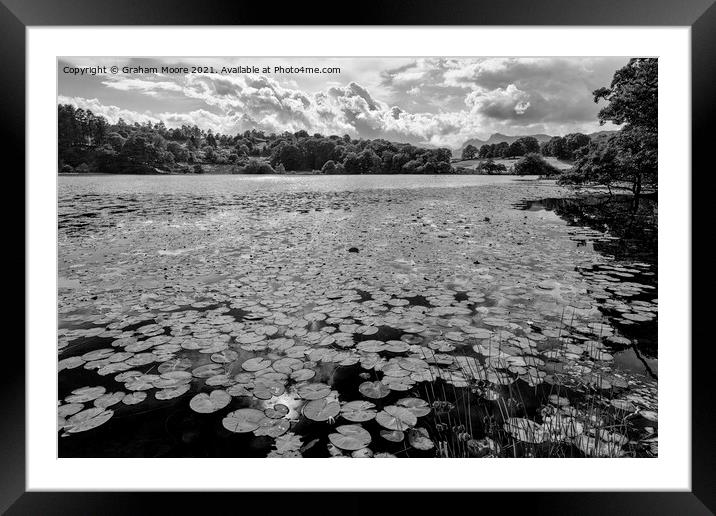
[632, 96]
[596, 163]
[489, 167]
[288, 155]
[574, 142]
[255, 166]
[554, 147]
[179, 151]
[501, 150]
[630, 158]
[116, 140]
[140, 154]
[534, 165]
[516, 149]
[331, 167]
[529, 144]
[469, 152]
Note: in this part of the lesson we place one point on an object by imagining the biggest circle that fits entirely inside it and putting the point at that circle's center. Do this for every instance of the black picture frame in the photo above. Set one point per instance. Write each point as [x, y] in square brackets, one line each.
[700, 15]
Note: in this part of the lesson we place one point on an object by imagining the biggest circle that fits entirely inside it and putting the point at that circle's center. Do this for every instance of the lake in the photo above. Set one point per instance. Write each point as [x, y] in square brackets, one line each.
[407, 316]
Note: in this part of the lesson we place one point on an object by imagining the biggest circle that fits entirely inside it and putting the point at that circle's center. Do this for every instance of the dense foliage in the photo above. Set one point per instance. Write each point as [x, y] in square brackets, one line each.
[565, 147]
[88, 143]
[520, 147]
[534, 164]
[629, 158]
[489, 167]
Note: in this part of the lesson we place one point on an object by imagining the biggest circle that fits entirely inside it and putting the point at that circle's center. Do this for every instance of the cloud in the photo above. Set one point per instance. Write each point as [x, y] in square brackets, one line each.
[111, 113]
[501, 103]
[435, 101]
[151, 88]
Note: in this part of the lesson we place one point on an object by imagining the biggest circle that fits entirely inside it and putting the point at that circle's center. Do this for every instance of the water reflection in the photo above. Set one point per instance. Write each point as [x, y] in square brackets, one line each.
[627, 231]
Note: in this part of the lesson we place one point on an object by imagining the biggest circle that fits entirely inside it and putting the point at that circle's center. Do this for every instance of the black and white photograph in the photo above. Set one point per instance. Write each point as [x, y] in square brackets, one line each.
[357, 257]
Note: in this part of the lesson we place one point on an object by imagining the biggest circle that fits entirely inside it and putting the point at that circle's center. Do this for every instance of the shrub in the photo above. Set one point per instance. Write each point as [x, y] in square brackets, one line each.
[571, 178]
[255, 166]
[489, 167]
[66, 169]
[198, 169]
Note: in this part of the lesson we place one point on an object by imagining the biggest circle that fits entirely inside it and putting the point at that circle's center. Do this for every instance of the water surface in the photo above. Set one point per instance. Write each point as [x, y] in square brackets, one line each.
[495, 301]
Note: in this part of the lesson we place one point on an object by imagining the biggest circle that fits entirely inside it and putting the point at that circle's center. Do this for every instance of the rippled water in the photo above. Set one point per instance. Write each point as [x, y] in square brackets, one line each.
[495, 300]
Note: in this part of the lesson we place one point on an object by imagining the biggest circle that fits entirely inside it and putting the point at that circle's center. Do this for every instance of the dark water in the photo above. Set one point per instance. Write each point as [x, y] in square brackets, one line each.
[628, 235]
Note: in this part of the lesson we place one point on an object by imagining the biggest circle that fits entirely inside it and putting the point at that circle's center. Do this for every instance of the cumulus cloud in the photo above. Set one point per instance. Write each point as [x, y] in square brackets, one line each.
[501, 103]
[440, 102]
[111, 113]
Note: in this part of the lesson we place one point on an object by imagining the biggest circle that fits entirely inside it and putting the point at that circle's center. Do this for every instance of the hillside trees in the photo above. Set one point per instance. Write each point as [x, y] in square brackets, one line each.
[630, 157]
[87, 139]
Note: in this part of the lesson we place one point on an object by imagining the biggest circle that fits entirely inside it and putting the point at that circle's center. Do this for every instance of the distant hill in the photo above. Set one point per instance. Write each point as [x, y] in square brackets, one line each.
[499, 138]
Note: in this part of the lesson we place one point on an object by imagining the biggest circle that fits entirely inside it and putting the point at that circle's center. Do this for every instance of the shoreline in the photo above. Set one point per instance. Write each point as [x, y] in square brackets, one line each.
[301, 174]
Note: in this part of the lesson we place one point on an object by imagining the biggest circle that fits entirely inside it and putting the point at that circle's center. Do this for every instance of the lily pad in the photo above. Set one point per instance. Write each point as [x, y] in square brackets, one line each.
[278, 411]
[85, 394]
[393, 417]
[321, 409]
[83, 424]
[109, 399]
[394, 436]
[419, 439]
[208, 403]
[301, 375]
[272, 427]
[314, 391]
[224, 357]
[358, 411]
[525, 430]
[256, 364]
[243, 420]
[417, 406]
[207, 370]
[69, 409]
[350, 437]
[375, 390]
[287, 365]
[134, 397]
[174, 392]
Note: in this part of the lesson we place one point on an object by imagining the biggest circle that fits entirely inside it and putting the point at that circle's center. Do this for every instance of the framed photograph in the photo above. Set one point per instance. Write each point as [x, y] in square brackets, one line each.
[430, 237]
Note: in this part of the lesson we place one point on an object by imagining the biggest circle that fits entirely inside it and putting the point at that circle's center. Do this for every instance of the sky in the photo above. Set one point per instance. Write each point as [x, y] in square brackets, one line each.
[424, 101]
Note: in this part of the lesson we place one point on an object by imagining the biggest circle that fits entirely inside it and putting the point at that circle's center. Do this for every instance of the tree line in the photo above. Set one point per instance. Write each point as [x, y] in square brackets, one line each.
[561, 147]
[88, 143]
